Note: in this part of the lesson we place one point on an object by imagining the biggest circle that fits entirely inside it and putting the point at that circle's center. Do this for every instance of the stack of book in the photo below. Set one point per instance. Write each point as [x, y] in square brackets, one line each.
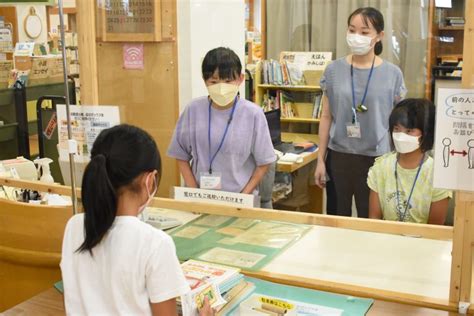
[454, 21]
[223, 286]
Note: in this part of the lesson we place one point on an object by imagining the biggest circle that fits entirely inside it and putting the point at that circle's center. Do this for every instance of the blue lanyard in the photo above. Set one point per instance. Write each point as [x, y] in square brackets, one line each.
[402, 216]
[363, 108]
[212, 157]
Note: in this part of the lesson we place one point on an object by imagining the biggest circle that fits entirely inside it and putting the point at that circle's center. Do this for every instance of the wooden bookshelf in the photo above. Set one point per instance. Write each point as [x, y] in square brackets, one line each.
[299, 120]
[437, 29]
[289, 88]
[451, 28]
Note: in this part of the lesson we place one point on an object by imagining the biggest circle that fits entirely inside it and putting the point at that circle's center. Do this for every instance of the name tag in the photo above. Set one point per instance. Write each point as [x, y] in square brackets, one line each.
[210, 181]
[353, 130]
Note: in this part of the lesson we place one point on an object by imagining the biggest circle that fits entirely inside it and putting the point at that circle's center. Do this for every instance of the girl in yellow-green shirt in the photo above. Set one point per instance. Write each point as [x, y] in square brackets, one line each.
[401, 182]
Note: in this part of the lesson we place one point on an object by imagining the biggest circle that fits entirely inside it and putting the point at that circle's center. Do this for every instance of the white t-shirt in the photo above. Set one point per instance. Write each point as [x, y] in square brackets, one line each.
[133, 265]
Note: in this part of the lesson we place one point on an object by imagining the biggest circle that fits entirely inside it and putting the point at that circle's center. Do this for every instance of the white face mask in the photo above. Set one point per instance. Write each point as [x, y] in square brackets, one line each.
[405, 143]
[359, 44]
[150, 195]
[223, 93]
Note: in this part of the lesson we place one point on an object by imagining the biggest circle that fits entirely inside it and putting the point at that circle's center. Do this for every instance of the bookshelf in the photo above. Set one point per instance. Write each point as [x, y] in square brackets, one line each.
[299, 120]
[303, 123]
[445, 43]
[290, 88]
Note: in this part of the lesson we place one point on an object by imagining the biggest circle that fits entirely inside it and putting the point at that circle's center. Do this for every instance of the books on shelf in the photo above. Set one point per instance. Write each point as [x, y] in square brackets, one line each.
[279, 73]
[455, 21]
[288, 105]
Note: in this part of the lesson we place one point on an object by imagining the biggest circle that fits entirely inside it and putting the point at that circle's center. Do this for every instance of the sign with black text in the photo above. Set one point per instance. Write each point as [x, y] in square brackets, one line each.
[216, 197]
[454, 142]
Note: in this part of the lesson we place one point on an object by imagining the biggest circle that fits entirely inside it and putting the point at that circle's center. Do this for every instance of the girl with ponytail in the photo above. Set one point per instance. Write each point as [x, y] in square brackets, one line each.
[112, 263]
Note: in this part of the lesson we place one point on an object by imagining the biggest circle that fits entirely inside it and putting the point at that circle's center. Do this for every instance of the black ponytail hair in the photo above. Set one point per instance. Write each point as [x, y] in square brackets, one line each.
[416, 113]
[119, 155]
[375, 18]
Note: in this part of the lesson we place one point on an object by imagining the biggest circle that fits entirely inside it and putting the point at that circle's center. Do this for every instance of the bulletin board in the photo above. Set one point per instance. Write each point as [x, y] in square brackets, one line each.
[244, 243]
[129, 21]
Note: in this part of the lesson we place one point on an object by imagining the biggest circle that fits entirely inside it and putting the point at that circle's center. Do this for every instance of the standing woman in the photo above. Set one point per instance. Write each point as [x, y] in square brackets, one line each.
[360, 91]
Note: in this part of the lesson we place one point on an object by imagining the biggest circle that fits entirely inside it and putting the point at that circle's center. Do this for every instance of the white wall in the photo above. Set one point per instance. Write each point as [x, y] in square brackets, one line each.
[202, 26]
[22, 11]
[68, 3]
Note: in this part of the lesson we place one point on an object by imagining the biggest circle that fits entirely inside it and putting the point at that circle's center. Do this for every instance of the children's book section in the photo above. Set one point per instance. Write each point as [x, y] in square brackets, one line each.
[291, 84]
[216, 248]
[289, 92]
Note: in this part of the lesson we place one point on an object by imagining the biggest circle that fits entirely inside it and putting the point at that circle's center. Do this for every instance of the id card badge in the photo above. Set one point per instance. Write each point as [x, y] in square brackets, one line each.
[353, 130]
[210, 181]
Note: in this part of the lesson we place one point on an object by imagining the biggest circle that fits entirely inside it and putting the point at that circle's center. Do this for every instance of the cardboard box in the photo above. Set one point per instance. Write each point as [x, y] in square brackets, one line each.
[43, 69]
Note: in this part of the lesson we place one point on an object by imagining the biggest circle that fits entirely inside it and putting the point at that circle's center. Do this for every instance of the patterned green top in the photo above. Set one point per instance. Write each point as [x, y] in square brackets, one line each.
[381, 179]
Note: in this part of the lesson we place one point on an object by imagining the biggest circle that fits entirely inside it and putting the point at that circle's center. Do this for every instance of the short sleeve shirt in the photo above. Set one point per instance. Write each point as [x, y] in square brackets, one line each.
[133, 265]
[381, 179]
[247, 144]
[386, 88]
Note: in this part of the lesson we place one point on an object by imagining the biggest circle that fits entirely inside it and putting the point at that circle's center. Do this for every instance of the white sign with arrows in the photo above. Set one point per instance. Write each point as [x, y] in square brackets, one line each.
[454, 141]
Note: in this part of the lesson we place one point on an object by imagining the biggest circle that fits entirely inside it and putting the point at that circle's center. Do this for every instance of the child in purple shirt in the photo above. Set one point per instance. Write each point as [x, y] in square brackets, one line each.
[222, 141]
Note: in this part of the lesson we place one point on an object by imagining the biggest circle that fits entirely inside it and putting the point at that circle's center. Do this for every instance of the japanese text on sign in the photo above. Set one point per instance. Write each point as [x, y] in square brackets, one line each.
[454, 142]
[86, 124]
[307, 60]
[214, 196]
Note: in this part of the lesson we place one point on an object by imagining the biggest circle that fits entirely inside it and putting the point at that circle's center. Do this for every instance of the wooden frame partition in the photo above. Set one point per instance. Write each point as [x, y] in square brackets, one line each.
[461, 268]
[462, 233]
[424, 231]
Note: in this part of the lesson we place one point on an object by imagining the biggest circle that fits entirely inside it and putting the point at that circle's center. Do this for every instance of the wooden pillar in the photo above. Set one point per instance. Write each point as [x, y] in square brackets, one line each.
[431, 48]
[461, 268]
[263, 12]
[147, 97]
[86, 31]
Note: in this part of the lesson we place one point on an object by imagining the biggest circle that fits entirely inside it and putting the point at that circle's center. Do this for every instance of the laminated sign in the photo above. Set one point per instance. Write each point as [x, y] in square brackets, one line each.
[133, 56]
[454, 142]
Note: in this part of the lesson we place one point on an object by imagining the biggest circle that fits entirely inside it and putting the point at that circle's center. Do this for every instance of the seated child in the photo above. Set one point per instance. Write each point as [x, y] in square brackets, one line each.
[401, 182]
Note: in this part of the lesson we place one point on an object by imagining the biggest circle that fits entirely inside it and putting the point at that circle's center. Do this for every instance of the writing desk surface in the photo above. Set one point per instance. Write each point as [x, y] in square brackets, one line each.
[307, 156]
[383, 261]
[50, 302]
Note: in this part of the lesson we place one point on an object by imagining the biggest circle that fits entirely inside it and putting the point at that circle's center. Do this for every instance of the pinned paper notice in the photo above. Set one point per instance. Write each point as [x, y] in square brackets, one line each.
[443, 3]
[454, 142]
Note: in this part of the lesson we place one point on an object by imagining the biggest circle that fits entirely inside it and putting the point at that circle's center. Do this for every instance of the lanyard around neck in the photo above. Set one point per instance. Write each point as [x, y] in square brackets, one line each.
[361, 107]
[212, 157]
[403, 215]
